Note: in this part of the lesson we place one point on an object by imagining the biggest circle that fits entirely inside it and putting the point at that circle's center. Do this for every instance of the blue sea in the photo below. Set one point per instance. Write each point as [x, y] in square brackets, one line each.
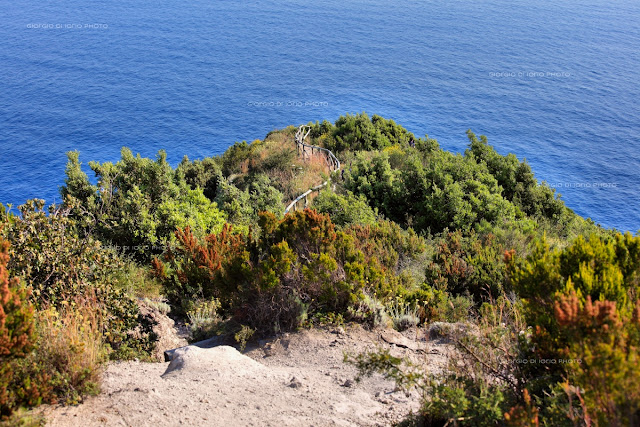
[555, 82]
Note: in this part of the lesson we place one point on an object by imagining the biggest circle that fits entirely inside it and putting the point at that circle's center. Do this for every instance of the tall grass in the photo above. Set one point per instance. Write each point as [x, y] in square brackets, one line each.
[71, 351]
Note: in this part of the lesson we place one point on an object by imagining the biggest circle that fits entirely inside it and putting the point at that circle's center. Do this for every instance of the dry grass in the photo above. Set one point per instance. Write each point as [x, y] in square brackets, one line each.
[71, 350]
[290, 171]
[297, 175]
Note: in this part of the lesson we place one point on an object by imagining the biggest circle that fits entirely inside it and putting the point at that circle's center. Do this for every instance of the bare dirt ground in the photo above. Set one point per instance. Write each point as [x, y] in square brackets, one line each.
[298, 379]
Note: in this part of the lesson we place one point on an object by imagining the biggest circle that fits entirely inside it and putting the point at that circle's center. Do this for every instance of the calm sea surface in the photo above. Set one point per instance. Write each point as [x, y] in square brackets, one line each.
[555, 82]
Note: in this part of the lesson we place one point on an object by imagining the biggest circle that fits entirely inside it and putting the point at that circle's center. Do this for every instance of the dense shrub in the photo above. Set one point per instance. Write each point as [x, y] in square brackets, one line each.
[360, 132]
[243, 203]
[234, 158]
[394, 247]
[430, 192]
[567, 353]
[345, 209]
[136, 203]
[191, 210]
[204, 174]
[602, 268]
[63, 266]
[16, 329]
[516, 179]
[58, 360]
[606, 343]
[468, 265]
[66, 361]
[582, 302]
[414, 183]
[298, 266]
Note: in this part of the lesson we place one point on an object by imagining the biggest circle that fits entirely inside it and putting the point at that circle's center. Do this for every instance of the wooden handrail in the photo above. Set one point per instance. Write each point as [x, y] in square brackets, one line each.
[332, 161]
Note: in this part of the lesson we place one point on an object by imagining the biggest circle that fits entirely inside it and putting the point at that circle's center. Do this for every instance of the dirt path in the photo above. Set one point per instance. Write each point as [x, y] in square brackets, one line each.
[297, 380]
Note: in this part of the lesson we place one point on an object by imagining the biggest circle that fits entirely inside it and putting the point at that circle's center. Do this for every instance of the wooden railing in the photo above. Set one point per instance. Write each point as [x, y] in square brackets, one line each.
[306, 150]
[301, 135]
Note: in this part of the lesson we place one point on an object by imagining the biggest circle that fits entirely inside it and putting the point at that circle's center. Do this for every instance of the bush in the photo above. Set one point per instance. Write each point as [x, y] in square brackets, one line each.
[468, 265]
[298, 266]
[360, 132]
[488, 384]
[415, 183]
[517, 180]
[204, 319]
[58, 360]
[601, 338]
[346, 209]
[605, 342]
[16, 330]
[429, 191]
[192, 210]
[600, 267]
[234, 158]
[403, 315]
[243, 205]
[135, 280]
[70, 352]
[204, 174]
[62, 267]
[136, 203]
[386, 241]
[370, 312]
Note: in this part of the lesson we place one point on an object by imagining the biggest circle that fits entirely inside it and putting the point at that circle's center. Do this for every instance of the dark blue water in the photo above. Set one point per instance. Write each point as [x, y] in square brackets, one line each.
[555, 82]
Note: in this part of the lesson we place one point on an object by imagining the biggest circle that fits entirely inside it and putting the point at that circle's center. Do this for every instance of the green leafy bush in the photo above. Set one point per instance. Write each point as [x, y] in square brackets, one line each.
[233, 158]
[360, 132]
[204, 174]
[415, 183]
[63, 266]
[430, 191]
[600, 267]
[242, 205]
[517, 180]
[345, 209]
[137, 203]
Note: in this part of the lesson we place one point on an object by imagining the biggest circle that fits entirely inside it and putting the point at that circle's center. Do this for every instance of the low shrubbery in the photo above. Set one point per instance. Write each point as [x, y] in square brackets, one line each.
[137, 203]
[296, 267]
[63, 267]
[345, 209]
[469, 265]
[16, 330]
[82, 317]
[566, 353]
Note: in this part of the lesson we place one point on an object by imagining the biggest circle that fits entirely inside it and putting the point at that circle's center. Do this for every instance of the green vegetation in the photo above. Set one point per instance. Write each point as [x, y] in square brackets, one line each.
[16, 329]
[137, 203]
[542, 305]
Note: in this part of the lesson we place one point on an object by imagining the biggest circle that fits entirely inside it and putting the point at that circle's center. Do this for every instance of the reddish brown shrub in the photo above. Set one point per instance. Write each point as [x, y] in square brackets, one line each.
[16, 327]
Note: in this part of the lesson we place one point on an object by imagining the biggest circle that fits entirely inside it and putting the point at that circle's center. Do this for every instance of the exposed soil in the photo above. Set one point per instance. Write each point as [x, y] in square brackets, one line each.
[298, 379]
